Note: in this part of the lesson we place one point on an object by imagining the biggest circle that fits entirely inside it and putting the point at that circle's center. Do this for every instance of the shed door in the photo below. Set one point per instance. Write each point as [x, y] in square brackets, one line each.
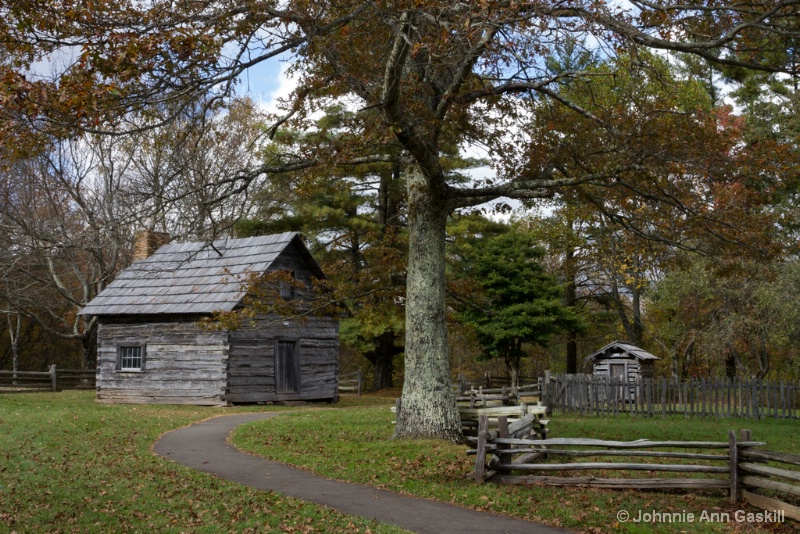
[287, 367]
[617, 371]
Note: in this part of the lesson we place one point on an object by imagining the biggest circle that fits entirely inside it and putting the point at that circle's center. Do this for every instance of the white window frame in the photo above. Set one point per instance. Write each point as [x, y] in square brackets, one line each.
[122, 356]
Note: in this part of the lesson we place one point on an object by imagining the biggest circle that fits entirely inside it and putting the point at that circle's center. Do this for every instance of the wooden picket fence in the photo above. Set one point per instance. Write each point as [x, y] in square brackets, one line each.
[600, 395]
[54, 379]
[511, 454]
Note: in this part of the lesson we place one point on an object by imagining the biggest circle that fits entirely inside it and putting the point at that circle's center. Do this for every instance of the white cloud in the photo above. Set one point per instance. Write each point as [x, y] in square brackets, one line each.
[268, 82]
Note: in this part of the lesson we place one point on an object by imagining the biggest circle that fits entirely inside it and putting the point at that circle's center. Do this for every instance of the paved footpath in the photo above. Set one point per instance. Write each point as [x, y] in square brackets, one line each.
[203, 446]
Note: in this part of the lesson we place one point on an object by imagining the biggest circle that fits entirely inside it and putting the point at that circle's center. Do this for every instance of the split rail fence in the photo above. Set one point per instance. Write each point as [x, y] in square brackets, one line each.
[52, 380]
[351, 383]
[463, 383]
[511, 454]
[587, 394]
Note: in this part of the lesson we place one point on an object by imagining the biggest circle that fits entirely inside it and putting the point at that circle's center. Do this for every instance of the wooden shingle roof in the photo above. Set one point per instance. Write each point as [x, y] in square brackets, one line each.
[621, 349]
[194, 278]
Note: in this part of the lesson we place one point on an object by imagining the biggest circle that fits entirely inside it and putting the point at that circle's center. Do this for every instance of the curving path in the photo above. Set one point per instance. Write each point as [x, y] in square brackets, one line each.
[203, 446]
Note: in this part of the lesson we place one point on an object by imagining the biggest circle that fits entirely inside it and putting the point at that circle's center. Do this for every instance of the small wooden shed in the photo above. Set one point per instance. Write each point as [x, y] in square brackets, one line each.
[622, 361]
[151, 348]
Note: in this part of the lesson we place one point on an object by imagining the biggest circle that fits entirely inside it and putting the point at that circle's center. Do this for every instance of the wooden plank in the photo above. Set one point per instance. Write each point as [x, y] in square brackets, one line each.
[683, 468]
[518, 411]
[245, 372]
[29, 386]
[703, 395]
[634, 483]
[767, 483]
[26, 374]
[770, 504]
[173, 389]
[646, 454]
[685, 388]
[531, 456]
[271, 396]
[484, 397]
[502, 431]
[759, 469]
[138, 397]
[158, 366]
[27, 380]
[784, 457]
[167, 387]
[184, 347]
[783, 400]
[264, 388]
[641, 443]
[480, 457]
[733, 466]
[189, 374]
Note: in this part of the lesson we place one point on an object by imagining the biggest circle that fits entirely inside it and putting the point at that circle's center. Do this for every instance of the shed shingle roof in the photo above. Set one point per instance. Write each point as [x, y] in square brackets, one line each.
[619, 347]
[193, 278]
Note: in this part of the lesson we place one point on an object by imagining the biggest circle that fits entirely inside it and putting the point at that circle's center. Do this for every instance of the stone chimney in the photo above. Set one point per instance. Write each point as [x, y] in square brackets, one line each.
[146, 242]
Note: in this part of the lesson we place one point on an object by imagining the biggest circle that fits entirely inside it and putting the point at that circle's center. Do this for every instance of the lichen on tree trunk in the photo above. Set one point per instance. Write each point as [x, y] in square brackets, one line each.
[428, 408]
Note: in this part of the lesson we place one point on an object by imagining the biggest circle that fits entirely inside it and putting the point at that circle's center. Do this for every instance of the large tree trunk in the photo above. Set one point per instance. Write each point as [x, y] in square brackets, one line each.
[512, 367]
[571, 300]
[382, 359]
[428, 408]
[572, 352]
[89, 342]
[637, 335]
[14, 330]
[762, 357]
[730, 365]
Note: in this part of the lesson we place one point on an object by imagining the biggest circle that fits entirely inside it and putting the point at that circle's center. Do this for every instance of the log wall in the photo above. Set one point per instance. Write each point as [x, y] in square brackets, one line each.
[252, 360]
[184, 364]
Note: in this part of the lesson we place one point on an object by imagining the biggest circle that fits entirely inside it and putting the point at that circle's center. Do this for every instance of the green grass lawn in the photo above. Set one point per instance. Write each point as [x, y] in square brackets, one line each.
[68, 464]
[354, 445]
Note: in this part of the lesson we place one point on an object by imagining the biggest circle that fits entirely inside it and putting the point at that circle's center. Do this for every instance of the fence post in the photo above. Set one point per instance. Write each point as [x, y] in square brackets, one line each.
[546, 395]
[480, 457]
[733, 454]
[502, 432]
[359, 382]
[53, 382]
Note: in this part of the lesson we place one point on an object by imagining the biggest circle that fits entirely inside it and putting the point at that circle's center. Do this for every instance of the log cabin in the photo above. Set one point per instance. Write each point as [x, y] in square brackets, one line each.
[623, 362]
[151, 347]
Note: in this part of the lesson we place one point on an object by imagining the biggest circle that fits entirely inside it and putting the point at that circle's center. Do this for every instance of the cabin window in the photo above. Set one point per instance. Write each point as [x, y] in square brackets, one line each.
[287, 367]
[130, 358]
[286, 288]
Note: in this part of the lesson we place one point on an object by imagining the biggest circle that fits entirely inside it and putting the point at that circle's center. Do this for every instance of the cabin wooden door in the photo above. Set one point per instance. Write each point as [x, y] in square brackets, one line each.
[618, 372]
[287, 367]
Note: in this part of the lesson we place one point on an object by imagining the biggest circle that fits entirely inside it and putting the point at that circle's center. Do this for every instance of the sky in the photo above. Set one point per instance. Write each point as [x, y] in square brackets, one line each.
[266, 82]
